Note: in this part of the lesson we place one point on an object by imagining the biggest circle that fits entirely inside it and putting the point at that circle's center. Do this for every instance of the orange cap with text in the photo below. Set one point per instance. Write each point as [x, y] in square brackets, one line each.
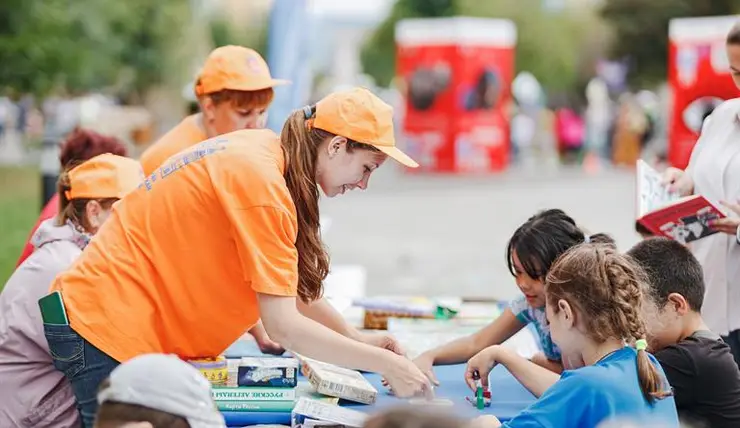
[361, 116]
[104, 176]
[236, 68]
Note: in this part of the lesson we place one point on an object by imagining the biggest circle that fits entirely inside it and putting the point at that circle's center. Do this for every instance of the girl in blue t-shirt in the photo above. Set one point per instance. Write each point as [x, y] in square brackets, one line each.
[531, 250]
[594, 297]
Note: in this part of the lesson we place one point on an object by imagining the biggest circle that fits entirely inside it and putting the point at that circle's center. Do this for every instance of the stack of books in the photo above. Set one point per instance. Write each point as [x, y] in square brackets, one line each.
[263, 384]
[258, 384]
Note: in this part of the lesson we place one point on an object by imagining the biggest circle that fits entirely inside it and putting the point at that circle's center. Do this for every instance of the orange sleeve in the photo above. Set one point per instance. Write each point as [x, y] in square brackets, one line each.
[265, 240]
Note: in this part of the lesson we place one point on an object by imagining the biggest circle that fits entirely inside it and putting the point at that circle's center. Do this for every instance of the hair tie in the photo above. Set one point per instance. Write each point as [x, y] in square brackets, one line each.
[307, 112]
[641, 344]
[586, 239]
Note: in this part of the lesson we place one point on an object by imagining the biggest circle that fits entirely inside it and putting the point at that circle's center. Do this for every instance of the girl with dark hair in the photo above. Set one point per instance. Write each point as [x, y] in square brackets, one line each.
[531, 251]
[79, 146]
[594, 298]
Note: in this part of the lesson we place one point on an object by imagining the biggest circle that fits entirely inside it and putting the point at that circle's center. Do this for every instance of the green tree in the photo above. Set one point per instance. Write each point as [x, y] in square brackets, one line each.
[378, 55]
[88, 44]
[641, 31]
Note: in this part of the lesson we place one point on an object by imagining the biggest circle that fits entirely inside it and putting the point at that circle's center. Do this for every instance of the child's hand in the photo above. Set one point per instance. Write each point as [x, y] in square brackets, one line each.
[482, 362]
[486, 421]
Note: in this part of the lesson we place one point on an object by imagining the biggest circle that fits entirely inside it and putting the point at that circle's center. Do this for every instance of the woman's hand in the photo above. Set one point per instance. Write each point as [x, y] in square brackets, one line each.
[728, 225]
[385, 341]
[405, 379]
[483, 362]
[678, 181]
[425, 363]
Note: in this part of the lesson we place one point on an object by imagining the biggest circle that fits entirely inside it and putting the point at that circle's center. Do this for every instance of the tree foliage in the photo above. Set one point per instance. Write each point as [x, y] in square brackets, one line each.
[378, 56]
[48, 45]
[641, 31]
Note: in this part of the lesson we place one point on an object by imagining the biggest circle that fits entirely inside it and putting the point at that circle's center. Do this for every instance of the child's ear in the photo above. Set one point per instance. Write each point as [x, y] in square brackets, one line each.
[567, 312]
[678, 303]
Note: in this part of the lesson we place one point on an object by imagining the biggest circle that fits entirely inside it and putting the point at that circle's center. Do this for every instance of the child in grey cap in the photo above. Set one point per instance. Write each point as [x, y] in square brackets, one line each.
[157, 391]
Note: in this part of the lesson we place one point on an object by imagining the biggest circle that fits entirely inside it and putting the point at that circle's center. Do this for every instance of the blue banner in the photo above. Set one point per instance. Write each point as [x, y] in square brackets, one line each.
[288, 58]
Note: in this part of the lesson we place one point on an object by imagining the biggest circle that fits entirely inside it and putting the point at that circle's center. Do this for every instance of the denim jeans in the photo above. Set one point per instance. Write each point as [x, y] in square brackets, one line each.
[84, 365]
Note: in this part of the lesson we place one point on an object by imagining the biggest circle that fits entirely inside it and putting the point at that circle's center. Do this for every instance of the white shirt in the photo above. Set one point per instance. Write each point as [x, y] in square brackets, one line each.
[715, 169]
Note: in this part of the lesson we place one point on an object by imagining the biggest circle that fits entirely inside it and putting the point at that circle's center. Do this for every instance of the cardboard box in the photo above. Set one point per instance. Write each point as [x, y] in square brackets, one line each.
[339, 382]
[312, 413]
[276, 372]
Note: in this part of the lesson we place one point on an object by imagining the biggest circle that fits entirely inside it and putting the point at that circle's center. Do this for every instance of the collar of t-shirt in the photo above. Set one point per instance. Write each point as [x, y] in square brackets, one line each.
[705, 334]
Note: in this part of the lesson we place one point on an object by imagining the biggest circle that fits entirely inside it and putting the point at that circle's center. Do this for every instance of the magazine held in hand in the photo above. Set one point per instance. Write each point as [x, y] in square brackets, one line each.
[683, 219]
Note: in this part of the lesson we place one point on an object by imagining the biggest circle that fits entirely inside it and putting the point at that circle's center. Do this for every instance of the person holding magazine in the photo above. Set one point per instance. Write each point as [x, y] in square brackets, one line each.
[714, 172]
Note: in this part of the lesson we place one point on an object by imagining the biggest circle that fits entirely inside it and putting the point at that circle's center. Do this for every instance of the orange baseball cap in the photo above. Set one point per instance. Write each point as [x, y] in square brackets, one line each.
[104, 176]
[361, 116]
[236, 68]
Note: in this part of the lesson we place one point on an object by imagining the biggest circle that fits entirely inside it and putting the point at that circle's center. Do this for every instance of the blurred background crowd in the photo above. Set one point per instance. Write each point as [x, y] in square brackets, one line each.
[590, 87]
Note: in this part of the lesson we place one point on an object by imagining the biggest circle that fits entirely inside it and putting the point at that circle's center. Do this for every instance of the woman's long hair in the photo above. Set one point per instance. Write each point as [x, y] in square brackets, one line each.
[301, 141]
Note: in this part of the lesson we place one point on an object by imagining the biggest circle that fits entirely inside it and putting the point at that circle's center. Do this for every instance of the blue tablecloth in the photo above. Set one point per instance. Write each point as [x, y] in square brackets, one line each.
[508, 396]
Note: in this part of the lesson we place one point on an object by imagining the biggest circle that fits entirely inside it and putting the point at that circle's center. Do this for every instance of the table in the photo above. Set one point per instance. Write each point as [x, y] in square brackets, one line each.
[508, 396]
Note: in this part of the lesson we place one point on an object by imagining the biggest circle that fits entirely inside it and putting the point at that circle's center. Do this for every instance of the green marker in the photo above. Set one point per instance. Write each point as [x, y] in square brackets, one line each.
[478, 391]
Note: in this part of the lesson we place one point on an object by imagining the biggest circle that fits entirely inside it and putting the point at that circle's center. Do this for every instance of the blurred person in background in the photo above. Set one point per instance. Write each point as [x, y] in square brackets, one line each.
[630, 127]
[714, 172]
[410, 417]
[222, 235]
[234, 90]
[79, 146]
[157, 391]
[33, 392]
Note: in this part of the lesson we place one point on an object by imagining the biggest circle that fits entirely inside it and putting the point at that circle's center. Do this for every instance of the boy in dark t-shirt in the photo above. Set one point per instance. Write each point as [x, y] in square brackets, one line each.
[699, 365]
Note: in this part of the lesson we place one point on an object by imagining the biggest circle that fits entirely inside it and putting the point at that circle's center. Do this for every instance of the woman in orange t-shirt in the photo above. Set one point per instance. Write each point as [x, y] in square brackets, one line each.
[224, 234]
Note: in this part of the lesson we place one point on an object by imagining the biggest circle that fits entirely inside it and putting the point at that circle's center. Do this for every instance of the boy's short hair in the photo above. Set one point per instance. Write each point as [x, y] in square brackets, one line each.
[407, 417]
[670, 268]
[642, 230]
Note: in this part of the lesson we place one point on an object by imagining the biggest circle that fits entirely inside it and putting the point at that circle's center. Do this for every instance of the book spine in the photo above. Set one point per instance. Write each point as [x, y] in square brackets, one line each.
[255, 406]
[253, 394]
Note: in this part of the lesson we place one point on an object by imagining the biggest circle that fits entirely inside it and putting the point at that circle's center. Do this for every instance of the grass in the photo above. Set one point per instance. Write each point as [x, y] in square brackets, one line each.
[20, 200]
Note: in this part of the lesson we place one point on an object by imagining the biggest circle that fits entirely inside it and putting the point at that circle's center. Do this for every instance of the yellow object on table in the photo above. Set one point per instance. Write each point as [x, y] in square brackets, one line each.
[214, 369]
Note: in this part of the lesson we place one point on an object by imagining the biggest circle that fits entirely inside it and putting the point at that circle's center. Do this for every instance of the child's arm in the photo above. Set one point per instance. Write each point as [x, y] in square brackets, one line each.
[535, 378]
[461, 350]
[541, 360]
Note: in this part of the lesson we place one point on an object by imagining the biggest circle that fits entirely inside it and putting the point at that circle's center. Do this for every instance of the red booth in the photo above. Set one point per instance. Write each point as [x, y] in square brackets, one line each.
[698, 77]
[455, 75]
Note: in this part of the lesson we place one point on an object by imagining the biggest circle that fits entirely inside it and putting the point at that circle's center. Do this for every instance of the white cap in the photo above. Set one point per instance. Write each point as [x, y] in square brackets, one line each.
[164, 383]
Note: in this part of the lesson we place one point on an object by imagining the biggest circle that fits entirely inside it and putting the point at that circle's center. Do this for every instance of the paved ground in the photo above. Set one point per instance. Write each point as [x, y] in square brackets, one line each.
[436, 235]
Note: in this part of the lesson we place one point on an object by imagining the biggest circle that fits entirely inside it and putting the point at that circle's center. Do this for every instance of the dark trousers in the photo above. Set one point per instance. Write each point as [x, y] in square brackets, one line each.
[84, 365]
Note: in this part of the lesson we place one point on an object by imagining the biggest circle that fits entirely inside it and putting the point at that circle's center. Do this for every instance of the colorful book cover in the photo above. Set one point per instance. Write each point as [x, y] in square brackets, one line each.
[256, 406]
[253, 394]
[665, 214]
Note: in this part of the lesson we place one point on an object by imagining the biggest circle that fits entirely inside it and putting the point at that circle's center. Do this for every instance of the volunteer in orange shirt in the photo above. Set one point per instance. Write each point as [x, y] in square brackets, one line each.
[234, 90]
[221, 235]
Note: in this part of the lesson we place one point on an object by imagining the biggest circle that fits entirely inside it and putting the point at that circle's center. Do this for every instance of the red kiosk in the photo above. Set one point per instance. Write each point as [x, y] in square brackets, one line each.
[698, 77]
[455, 75]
